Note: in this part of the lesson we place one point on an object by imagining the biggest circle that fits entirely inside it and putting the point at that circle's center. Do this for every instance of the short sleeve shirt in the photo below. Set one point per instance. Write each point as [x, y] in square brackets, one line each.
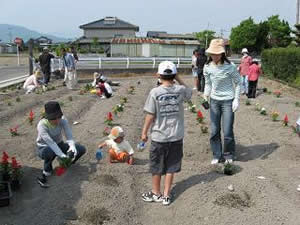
[166, 104]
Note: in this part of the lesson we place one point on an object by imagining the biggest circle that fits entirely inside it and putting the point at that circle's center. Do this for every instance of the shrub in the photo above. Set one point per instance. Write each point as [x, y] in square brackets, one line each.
[282, 64]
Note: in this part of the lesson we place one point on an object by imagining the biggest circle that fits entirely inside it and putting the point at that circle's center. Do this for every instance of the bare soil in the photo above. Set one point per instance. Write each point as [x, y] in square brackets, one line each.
[92, 193]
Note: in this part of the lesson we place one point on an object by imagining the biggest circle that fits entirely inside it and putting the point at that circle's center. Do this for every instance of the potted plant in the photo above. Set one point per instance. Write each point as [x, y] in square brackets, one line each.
[263, 111]
[14, 131]
[106, 131]
[274, 116]
[118, 108]
[204, 103]
[31, 117]
[64, 164]
[16, 174]
[285, 121]
[5, 167]
[277, 94]
[109, 119]
[5, 193]
[200, 116]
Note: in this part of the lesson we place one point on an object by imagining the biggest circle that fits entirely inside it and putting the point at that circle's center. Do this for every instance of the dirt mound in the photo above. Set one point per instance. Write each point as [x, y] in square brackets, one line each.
[233, 200]
[96, 216]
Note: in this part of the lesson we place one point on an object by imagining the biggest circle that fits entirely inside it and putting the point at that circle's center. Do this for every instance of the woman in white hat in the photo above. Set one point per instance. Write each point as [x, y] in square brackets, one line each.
[246, 62]
[222, 86]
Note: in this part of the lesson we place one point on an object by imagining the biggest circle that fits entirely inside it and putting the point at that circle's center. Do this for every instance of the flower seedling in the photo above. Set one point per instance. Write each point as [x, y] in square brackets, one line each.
[131, 90]
[285, 121]
[277, 94]
[248, 102]
[297, 104]
[88, 87]
[204, 103]
[274, 116]
[5, 167]
[229, 169]
[64, 164]
[123, 100]
[257, 107]
[14, 131]
[204, 129]
[16, 170]
[118, 108]
[200, 116]
[18, 99]
[31, 117]
[106, 131]
[263, 111]
[9, 103]
[109, 119]
[70, 98]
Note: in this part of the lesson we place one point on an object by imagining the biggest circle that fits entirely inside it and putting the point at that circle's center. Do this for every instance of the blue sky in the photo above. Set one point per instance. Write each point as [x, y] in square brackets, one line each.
[63, 17]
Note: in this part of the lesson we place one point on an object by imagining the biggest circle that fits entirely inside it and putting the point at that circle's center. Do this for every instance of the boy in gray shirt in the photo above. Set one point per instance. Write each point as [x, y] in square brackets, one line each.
[165, 112]
[50, 141]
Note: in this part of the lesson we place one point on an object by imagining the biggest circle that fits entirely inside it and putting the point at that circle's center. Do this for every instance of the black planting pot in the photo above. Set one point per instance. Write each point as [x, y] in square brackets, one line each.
[15, 185]
[5, 193]
[5, 177]
[205, 105]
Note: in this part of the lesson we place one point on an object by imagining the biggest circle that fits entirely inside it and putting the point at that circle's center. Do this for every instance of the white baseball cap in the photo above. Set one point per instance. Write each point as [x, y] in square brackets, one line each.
[167, 68]
[244, 50]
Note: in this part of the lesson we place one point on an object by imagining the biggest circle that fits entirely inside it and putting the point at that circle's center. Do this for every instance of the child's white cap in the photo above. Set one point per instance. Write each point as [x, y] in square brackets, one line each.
[167, 68]
[116, 132]
[298, 121]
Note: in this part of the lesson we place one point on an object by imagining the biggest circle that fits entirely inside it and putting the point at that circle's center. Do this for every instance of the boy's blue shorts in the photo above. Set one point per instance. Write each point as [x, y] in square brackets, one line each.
[166, 157]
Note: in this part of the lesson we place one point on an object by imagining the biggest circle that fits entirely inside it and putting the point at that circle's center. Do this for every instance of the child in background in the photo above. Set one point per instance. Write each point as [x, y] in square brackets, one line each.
[31, 82]
[105, 88]
[165, 115]
[254, 73]
[119, 149]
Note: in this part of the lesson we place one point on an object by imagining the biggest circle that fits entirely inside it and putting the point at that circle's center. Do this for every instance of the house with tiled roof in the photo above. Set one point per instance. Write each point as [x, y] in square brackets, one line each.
[104, 30]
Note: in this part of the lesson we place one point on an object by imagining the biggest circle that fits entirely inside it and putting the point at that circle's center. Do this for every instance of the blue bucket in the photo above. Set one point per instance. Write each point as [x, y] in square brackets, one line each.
[99, 154]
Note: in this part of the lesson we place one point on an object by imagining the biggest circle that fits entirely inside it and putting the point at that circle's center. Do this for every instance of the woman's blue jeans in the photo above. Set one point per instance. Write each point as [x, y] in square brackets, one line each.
[221, 111]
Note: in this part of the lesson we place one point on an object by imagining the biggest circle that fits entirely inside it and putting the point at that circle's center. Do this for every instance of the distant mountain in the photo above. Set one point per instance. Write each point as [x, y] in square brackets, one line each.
[8, 32]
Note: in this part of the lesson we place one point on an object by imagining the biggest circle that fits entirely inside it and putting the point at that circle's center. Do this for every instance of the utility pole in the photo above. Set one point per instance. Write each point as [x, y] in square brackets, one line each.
[297, 14]
[30, 48]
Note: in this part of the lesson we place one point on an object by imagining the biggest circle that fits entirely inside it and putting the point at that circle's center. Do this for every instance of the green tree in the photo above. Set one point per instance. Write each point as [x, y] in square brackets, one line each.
[279, 32]
[244, 36]
[205, 37]
[297, 34]
[262, 36]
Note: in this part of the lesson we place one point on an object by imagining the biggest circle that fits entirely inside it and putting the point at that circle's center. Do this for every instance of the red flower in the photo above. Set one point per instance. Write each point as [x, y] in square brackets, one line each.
[14, 163]
[285, 120]
[59, 171]
[4, 158]
[199, 114]
[14, 131]
[31, 116]
[109, 116]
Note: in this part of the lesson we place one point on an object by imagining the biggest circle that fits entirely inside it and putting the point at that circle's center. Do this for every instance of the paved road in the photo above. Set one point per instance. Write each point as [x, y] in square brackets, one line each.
[8, 72]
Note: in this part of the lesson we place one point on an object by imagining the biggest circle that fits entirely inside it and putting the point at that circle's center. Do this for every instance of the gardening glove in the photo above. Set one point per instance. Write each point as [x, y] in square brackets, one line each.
[63, 156]
[72, 147]
[205, 97]
[235, 105]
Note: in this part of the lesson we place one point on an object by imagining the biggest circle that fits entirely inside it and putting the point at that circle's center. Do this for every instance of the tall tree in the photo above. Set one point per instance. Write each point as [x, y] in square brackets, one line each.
[205, 37]
[262, 36]
[297, 34]
[244, 35]
[279, 33]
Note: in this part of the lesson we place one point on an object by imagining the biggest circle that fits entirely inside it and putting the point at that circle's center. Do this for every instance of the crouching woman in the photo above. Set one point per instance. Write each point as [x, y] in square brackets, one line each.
[50, 140]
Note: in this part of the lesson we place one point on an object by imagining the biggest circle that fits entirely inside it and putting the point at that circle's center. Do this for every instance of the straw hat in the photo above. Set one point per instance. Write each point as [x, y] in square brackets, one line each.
[216, 46]
[37, 73]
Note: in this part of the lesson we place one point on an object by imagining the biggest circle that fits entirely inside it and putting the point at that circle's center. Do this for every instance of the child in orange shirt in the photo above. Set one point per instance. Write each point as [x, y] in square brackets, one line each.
[119, 149]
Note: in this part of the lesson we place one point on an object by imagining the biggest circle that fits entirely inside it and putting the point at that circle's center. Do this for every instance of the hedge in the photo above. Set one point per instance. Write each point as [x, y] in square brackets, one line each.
[282, 64]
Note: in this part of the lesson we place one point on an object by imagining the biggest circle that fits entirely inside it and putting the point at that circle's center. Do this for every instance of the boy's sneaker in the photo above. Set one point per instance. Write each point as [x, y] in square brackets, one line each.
[166, 200]
[42, 181]
[47, 174]
[151, 197]
[229, 161]
[214, 161]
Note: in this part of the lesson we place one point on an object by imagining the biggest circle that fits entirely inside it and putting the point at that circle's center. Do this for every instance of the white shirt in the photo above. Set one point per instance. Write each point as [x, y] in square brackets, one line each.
[124, 146]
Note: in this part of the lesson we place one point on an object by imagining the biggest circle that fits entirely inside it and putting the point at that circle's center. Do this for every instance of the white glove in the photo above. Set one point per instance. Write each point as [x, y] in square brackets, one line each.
[72, 147]
[205, 97]
[63, 156]
[235, 105]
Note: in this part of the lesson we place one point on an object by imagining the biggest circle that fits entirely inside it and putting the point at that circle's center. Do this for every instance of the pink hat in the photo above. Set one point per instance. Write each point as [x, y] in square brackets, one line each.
[216, 46]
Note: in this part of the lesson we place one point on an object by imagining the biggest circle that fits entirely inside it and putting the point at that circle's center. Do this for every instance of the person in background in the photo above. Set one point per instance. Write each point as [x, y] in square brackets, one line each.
[254, 73]
[201, 60]
[105, 88]
[69, 67]
[74, 53]
[165, 115]
[31, 83]
[195, 68]
[222, 86]
[119, 149]
[45, 63]
[246, 61]
[50, 139]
